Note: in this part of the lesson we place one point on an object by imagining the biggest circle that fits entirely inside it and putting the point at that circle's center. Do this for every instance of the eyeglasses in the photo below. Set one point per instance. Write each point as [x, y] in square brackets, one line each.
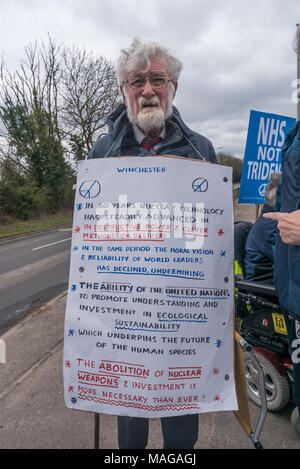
[156, 81]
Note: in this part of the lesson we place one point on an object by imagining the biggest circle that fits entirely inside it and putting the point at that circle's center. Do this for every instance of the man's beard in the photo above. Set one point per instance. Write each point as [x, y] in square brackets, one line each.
[151, 117]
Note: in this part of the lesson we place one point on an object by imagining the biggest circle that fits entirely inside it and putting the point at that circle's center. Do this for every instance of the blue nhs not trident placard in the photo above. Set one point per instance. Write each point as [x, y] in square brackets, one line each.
[266, 135]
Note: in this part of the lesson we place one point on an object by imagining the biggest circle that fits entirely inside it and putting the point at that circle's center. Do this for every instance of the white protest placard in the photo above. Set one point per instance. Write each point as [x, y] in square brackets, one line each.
[149, 318]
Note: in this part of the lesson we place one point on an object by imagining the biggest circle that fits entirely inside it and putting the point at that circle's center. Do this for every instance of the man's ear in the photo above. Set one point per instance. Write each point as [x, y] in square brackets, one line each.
[123, 95]
[175, 84]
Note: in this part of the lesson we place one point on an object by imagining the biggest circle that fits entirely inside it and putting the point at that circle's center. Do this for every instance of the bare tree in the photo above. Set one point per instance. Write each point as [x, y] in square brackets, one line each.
[54, 106]
[31, 138]
[89, 94]
[29, 103]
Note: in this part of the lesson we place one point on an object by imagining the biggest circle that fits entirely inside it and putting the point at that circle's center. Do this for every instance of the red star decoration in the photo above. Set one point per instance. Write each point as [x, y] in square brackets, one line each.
[77, 229]
[216, 371]
[220, 232]
[67, 364]
[217, 398]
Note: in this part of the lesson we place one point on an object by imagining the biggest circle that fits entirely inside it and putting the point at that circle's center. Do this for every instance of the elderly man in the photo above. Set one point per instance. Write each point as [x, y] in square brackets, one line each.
[148, 124]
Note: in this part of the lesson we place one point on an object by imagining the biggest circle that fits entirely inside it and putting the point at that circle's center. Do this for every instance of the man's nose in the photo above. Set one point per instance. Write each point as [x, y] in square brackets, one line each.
[148, 89]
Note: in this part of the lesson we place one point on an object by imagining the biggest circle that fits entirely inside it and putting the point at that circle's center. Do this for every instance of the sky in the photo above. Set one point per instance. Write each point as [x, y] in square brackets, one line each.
[237, 56]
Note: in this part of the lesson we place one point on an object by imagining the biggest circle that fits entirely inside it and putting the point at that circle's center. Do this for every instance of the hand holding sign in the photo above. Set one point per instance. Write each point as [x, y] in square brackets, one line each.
[288, 225]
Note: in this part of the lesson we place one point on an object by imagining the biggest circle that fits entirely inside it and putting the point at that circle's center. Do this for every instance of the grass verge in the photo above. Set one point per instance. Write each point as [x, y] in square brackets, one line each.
[12, 227]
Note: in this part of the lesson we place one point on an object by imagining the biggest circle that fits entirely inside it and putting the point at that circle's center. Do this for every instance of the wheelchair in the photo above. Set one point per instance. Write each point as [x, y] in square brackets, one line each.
[263, 327]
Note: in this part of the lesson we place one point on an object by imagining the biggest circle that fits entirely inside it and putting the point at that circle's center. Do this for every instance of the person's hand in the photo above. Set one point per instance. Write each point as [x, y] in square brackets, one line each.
[288, 225]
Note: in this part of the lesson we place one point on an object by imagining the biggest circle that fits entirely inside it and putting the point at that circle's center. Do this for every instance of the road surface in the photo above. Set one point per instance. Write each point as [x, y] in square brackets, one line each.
[33, 270]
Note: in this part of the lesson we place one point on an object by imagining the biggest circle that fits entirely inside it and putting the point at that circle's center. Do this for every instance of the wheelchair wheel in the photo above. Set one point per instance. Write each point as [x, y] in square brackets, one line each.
[295, 420]
[276, 385]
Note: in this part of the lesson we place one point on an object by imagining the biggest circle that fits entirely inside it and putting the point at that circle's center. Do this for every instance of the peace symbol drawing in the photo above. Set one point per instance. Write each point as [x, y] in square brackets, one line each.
[200, 185]
[90, 189]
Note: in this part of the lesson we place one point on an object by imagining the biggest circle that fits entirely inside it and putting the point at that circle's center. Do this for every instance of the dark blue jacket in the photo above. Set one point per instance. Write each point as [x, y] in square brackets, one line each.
[287, 257]
[180, 140]
[259, 255]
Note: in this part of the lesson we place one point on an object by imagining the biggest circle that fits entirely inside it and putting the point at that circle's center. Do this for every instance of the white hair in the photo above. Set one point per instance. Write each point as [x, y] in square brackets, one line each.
[271, 192]
[140, 53]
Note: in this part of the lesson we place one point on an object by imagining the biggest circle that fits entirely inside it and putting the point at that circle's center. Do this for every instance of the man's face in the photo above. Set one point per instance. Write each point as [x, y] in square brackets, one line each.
[149, 95]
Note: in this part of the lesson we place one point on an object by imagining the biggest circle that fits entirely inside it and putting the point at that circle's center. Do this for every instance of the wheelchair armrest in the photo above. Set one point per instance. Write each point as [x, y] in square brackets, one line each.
[255, 287]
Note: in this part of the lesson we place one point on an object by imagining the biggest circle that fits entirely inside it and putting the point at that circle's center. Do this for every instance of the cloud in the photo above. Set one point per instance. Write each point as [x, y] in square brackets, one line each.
[237, 55]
